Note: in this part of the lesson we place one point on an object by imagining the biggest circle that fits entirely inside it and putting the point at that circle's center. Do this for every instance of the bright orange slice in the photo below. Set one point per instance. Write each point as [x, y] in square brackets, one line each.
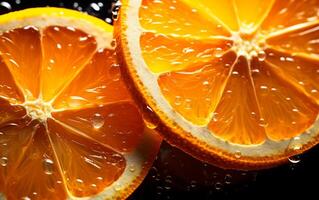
[234, 83]
[68, 127]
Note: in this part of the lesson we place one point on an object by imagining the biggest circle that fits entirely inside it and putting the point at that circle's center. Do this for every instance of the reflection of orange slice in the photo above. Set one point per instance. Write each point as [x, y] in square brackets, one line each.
[234, 83]
[68, 127]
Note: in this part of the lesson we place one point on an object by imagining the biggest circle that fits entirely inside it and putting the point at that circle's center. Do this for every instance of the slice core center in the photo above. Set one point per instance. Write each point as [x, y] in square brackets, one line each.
[38, 110]
[249, 45]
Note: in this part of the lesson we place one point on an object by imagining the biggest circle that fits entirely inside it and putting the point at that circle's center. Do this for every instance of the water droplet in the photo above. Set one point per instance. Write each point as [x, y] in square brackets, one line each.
[188, 104]
[95, 6]
[59, 46]
[115, 9]
[178, 100]
[218, 52]
[149, 117]
[113, 43]
[193, 184]
[6, 5]
[48, 166]
[79, 181]
[294, 159]
[188, 50]
[115, 72]
[261, 56]
[205, 82]
[237, 154]
[108, 20]
[218, 185]
[262, 122]
[117, 187]
[81, 39]
[3, 161]
[295, 110]
[26, 198]
[228, 179]
[97, 121]
[75, 4]
[132, 168]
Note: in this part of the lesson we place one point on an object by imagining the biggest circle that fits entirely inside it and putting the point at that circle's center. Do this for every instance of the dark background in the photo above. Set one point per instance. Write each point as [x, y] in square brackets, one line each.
[175, 175]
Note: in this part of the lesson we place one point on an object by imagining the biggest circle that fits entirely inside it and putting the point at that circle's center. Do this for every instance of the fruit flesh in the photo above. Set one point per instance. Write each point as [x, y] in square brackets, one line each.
[271, 90]
[67, 112]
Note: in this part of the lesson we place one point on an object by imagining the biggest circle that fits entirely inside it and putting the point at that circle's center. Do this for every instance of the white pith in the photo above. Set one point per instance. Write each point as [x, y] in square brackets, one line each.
[149, 81]
[137, 161]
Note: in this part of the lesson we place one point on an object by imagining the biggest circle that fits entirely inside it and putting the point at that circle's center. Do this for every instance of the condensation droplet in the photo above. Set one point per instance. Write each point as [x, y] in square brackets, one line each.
[79, 181]
[218, 185]
[237, 154]
[59, 46]
[132, 168]
[117, 187]
[188, 104]
[48, 166]
[178, 100]
[97, 121]
[228, 179]
[115, 9]
[149, 117]
[113, 43]
[294, 159]
[188, 50]
[6, 5]
[3, 161]
[262, 122]
[261, 56]
[115, 72]
[218, 52]
[95, 6]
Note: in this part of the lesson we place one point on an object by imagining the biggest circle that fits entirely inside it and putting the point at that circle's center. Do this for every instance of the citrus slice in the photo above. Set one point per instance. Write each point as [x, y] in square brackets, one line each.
[68, 127]
[234, 83]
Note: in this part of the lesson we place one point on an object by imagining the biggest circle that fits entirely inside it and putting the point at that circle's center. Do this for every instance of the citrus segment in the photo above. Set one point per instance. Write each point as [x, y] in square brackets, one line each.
[222, 11]
[195, 92]
[299, 71]
[251, 13]
[36, 175]
[65, 52]
[98, 83]
[76, 155]
[301, 41]
[238, 121]
[116, 125]
[14, 140]
[155, 17]
[21, 51]
[285, 14]
[285, 111]
[10, 113]
[8, 87]
[79, 119]
[166, 53]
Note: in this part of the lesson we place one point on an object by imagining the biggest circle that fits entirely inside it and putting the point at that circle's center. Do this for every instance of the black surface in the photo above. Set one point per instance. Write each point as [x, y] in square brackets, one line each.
[176, 175]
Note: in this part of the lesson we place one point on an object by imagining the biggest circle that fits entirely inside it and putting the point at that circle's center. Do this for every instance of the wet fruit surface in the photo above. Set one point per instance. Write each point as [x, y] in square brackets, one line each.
[165, 182]
[64, 110]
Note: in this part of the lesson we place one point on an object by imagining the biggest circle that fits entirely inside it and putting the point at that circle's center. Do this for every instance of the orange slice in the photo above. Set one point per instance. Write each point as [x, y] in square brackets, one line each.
[68, 127]
[233, 83]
